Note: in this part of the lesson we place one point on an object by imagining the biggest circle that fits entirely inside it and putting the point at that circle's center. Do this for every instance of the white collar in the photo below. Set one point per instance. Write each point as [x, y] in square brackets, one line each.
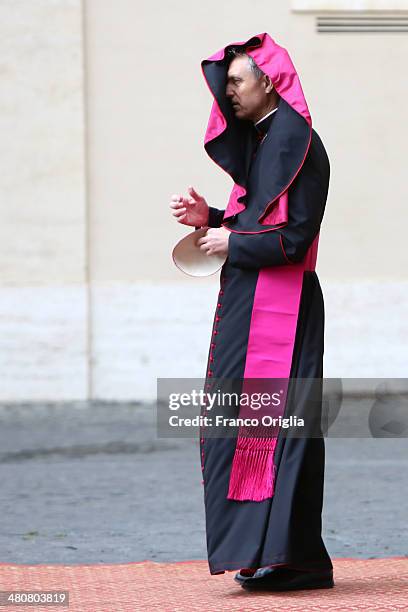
[267, 115]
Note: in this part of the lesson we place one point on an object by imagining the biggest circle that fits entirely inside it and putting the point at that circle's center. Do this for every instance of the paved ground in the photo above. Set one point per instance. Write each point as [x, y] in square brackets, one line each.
[93, 484]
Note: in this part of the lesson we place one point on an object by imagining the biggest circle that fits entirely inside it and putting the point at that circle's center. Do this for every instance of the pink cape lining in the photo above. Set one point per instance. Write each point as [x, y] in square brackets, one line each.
[274, 60]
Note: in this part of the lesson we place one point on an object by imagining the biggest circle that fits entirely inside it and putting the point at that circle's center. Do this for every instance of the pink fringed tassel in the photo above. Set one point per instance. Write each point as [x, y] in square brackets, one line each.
[253, 472]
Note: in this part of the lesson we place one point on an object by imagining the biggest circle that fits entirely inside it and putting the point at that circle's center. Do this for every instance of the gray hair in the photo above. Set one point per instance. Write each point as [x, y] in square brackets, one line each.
[239, 52]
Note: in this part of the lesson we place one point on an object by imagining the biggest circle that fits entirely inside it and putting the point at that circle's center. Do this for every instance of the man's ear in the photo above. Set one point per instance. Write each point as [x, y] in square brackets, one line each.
[268, 84]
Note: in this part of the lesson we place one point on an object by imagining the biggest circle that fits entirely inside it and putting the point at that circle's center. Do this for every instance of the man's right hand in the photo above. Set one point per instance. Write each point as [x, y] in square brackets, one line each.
[190, 211]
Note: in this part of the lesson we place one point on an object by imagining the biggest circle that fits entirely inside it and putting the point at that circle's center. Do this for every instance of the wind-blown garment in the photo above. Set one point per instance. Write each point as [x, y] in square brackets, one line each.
[269, 320]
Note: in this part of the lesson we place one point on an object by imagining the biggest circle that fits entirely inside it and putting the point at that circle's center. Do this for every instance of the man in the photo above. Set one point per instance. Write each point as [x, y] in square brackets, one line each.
[263, 496]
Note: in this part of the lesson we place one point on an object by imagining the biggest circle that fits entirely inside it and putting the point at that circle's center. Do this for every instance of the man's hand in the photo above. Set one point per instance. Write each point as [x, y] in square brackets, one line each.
[215, 242]
[190, 211]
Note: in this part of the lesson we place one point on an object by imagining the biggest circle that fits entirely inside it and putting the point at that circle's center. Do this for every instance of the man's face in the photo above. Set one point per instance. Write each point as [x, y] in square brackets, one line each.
[247, 94]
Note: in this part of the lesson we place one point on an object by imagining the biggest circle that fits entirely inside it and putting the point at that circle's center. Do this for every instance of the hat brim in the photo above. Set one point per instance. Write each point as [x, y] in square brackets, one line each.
[191, 260]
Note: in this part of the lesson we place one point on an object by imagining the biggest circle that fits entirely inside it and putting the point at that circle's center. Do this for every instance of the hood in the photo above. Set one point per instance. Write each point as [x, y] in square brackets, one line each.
[287, 144]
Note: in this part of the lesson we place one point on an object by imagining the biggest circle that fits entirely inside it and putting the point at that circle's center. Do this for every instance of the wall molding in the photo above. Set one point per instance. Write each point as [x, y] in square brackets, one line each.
[388, 6]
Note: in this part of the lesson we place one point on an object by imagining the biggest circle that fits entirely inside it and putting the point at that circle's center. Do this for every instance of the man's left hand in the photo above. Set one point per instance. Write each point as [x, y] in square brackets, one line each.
[215, 241]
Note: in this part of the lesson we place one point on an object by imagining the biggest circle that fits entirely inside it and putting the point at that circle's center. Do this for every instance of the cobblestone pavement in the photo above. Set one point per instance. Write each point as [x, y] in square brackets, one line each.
[92, 483]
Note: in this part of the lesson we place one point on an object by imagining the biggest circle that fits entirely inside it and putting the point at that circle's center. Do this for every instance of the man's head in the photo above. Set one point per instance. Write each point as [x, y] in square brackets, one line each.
[250, 90]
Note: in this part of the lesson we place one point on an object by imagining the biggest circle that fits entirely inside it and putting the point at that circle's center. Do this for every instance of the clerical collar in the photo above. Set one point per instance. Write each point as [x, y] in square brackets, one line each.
[267, 115]
[263, 124]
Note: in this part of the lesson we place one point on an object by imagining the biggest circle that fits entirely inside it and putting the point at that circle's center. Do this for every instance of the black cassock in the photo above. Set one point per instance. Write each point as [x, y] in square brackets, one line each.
[285, 529]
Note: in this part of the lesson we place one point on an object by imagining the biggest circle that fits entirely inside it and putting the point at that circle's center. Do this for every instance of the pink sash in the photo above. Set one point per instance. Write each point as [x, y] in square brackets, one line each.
[269, 356]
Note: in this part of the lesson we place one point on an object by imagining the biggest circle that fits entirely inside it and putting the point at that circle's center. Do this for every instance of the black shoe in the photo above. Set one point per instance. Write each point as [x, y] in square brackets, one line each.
[261, 572]
[240, 578]
[286, 579]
